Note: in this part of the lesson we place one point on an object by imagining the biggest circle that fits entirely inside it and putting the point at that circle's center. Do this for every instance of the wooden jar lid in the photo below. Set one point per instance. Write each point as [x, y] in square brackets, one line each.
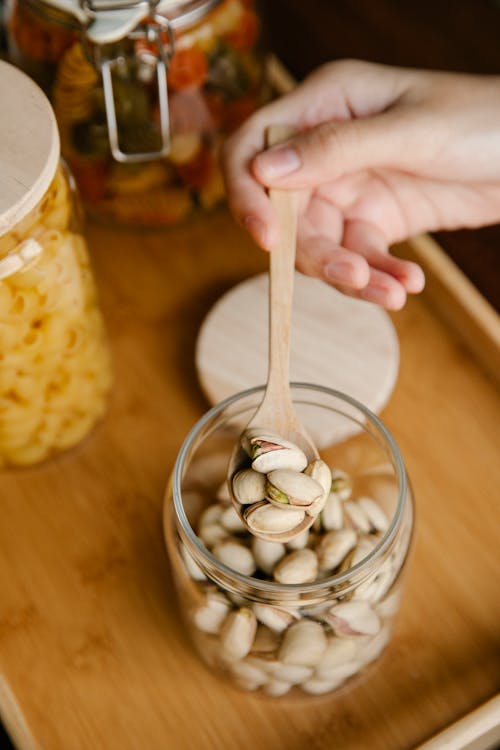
[339, 342]
[29, 145]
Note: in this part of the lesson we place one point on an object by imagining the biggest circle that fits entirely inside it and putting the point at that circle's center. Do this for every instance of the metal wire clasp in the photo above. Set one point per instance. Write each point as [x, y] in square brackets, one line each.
[153, 30]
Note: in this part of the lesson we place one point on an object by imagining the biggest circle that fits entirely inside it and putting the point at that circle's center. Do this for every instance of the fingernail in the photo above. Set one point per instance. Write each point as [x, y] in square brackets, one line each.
[278, 162]
[257, 229]
[374, 294]
[337, 271]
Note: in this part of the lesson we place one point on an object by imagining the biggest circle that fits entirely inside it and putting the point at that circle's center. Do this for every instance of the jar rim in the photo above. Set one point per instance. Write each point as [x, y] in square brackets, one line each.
[272, 587]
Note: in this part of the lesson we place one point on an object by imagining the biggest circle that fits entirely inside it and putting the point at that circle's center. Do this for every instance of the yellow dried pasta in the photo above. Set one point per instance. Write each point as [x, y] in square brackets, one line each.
[54, 364]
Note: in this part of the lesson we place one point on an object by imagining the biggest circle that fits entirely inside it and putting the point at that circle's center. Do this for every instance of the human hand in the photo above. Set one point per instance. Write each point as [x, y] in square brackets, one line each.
[380, 154]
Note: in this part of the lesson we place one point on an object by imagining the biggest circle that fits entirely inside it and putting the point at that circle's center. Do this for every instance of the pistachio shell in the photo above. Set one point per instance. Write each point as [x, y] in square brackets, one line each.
[303, 644]
[267, 554]
[248, 671]
[300, 566]
[332, 516]
[374, 513]
[277, 688]
[210, 616]
[269, 452]
[248, 486]
[320, 471]
[334, 546]
[286, 488]
[237, 634]
[339, 672]
[353, 618]
[212, 533]
[300, 541]
[231, 521]
[341, 484]
[235, 556]
[192, 567]
[355, 517]
[265, 518]
[339, 651]
[266, 641]
[319, 687]
[276, 619]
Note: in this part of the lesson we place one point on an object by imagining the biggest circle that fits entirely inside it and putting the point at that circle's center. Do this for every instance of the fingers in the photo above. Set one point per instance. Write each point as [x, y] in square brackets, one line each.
[368, 241]
[359, 268]
[330, 150]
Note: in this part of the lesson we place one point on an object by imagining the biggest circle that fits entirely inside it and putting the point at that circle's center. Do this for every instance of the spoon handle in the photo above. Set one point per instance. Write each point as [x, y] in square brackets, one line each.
[281, 278]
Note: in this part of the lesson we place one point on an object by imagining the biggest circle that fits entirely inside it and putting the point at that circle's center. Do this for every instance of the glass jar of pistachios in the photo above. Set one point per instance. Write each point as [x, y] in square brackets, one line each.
[310, 615]
[54, 362]
[144, 93]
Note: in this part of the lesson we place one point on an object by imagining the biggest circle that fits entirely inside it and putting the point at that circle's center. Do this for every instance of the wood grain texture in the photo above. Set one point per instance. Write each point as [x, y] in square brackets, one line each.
[93, 653]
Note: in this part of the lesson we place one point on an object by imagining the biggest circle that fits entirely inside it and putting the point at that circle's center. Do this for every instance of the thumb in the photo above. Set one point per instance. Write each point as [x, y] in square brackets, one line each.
[333, 149]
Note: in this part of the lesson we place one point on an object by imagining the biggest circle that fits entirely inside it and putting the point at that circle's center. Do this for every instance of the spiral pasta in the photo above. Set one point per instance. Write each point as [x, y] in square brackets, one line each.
[54, 363]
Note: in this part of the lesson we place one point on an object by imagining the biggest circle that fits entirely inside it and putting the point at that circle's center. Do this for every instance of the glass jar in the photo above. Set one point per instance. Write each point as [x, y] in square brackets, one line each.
[284, 638]
[144, 94]
[54, 361]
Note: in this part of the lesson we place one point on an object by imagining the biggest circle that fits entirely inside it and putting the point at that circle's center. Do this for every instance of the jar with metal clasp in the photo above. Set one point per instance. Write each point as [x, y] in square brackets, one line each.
[144, 94]
[54, 362]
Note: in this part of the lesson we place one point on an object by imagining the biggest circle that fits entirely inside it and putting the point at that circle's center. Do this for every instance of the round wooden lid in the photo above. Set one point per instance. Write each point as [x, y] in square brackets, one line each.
[336, 341]
[29, 145]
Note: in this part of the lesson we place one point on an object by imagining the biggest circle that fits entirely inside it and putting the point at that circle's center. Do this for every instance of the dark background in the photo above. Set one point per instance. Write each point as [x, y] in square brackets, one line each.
[458, 35]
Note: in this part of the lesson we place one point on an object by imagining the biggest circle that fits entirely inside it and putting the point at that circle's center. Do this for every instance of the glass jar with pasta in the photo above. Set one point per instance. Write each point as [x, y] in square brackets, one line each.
[144, 93]
[54, 361]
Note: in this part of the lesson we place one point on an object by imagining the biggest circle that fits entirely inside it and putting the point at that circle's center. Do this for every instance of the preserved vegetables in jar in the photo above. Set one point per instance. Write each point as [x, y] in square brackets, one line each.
[144, 95]
[54, 363]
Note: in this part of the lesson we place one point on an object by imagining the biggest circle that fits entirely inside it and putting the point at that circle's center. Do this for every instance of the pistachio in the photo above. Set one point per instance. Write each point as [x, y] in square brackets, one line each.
[374, 513]
[332, 517]
[355, 517]
[337, 673]
[334, 546]
[364, 547]
[212, 533]
[300, 541]
[276, 619]
[320, 471]
[300, 566]
[319, 687]
[353, 618]
[269, 452]
[267, 554]
[210, 515]
[390, 605]
[210, 616]
[265, 518]
[237, 634]
[193, 569]
[292, 673]
[339, 651]
[245, 670]
[373, 647]
[231, 521]
[341, 484]
[291, 489]
[235, 556]
[303, 644]
[277, 688]
[223, 494]
[375, 588]
[248, 486]
[266, 641]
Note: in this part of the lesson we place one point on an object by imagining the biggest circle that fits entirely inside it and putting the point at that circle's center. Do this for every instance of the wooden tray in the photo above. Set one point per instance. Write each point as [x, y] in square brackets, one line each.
[93, 654]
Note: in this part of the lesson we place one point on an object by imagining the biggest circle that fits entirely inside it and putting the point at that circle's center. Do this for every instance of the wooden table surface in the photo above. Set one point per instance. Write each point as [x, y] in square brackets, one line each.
[93, 654]
[459, 35]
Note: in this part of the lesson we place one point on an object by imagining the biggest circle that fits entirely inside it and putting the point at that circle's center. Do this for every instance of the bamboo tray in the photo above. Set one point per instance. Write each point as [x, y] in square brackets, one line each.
[92, 650]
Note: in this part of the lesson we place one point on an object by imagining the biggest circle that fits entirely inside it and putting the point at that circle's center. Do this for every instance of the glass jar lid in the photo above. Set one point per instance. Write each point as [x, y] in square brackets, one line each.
[29, 146]
[108, 21]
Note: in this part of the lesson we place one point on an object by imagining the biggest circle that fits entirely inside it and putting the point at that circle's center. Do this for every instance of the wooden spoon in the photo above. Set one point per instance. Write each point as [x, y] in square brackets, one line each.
[276, 413]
